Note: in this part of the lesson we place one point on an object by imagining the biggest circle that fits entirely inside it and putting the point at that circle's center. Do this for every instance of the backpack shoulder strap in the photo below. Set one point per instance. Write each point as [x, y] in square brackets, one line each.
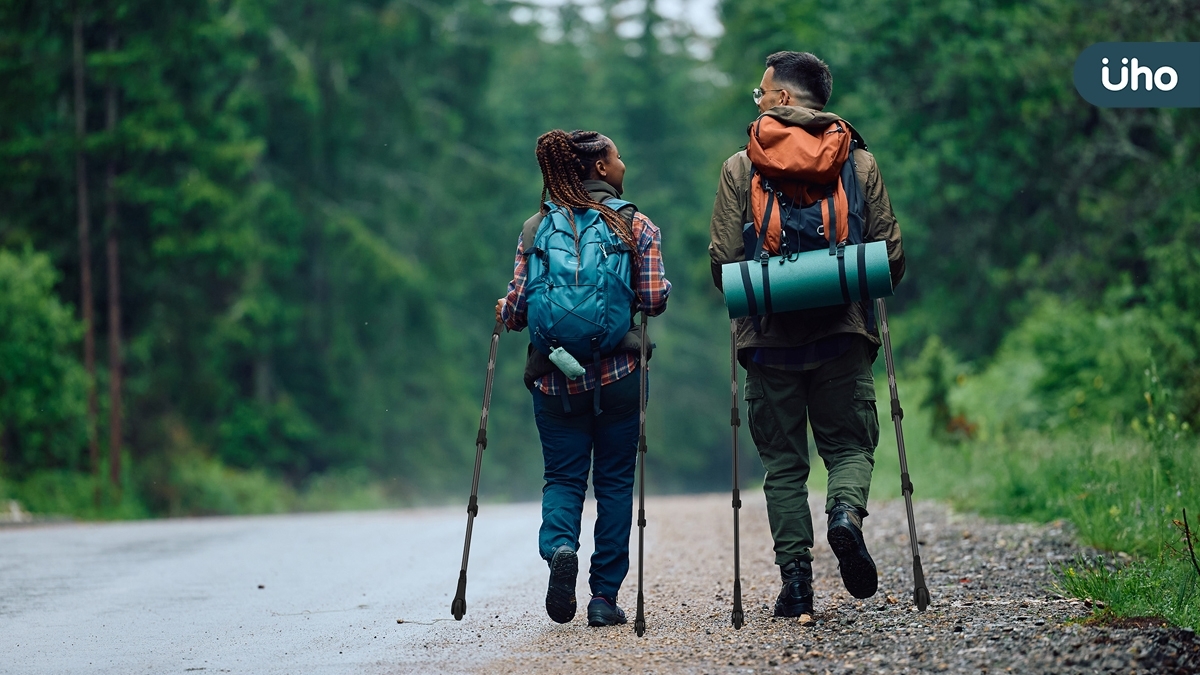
[627, 210]
[530, 228]
[851, 184]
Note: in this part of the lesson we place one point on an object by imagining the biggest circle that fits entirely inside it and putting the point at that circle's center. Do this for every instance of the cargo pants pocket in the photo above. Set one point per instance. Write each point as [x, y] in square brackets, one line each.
[756, 415]
[864, 406]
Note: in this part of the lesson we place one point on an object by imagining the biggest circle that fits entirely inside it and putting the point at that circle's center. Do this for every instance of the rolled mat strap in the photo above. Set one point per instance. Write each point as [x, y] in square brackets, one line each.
[863, 294]
[766, 270]
[749, 287]
[842, 275]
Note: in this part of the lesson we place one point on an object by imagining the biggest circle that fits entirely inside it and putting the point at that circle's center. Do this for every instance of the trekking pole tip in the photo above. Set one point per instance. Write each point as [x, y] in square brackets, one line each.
[639, 624]
[459, 607]
[921, 596]
[738, 616]
[920, 592]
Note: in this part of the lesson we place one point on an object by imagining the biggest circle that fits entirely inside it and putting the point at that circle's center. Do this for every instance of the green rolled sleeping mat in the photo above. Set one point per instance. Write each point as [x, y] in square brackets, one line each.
[806, 280]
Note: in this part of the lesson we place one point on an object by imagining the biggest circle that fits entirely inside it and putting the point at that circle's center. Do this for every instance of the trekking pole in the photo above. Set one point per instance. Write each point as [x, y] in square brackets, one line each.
[920, 592]
[639, 624]
[459, 607]
[735, 421]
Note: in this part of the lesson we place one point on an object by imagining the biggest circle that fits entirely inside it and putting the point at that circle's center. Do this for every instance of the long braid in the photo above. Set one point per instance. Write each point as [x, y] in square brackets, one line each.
[564, 160]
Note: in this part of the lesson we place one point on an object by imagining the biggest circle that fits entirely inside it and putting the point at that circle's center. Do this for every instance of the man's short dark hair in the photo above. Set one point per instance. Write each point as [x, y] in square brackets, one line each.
[803, 71]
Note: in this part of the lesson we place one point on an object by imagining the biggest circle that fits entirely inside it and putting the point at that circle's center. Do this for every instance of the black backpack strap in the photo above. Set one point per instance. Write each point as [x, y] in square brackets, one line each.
[626, 212]
[760, 242]
[855, 197]
[832, 230]
[529, 231]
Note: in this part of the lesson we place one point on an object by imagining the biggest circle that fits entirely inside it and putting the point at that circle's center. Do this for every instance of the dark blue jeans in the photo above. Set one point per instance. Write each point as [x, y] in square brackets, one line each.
[574, 442]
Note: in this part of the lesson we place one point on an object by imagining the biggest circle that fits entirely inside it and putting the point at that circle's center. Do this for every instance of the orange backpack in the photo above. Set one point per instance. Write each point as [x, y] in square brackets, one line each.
[796, 168]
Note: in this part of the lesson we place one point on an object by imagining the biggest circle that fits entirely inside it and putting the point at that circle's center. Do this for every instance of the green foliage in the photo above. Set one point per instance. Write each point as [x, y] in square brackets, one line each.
[59, 492]
[189, 482]
[319, 203]
[1067, 368]
[353, 489]
[42, 384]
[935, 364]
[1167, 587]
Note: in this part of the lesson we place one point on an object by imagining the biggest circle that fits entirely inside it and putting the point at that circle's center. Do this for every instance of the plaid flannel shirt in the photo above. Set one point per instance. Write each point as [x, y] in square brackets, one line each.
[652, 286]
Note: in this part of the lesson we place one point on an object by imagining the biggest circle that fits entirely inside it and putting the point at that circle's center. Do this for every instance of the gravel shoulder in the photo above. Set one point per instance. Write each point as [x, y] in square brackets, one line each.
[993, 607]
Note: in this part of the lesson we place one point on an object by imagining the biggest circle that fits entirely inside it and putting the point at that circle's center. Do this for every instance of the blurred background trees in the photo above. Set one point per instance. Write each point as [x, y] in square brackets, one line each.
[301, 214]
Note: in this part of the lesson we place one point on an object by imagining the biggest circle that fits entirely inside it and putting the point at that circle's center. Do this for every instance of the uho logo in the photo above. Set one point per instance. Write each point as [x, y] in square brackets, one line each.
[1140, 74]
[1153, 78]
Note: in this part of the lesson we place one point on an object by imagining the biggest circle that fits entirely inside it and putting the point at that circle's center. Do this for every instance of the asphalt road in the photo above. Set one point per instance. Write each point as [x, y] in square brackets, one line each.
[179, 596]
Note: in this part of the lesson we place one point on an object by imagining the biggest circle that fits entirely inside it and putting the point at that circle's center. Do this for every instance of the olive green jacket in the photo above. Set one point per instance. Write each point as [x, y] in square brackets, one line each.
[732, 210]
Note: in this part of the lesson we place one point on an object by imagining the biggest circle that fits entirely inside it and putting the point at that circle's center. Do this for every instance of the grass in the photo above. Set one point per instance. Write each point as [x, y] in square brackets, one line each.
[1166, 587]
[1123, 492]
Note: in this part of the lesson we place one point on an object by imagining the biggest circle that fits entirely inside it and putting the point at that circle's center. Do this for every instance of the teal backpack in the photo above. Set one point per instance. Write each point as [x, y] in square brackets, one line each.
[578, 283]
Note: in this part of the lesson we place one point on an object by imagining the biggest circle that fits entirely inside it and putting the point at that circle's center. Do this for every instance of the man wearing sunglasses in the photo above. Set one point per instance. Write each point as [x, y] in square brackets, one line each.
[808, 368]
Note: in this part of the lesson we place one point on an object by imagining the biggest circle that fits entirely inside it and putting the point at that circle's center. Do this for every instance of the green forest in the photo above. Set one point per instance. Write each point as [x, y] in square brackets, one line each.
[249, 249]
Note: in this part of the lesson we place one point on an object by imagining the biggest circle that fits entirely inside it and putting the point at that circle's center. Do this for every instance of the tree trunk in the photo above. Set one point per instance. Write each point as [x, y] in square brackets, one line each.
[115, 363]
[85, 248]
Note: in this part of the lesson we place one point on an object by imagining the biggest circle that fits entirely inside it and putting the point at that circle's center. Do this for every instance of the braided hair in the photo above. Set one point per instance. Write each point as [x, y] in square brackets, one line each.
[566, 161]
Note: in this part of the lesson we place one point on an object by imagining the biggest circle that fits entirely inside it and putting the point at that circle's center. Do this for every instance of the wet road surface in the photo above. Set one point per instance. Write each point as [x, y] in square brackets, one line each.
[183, 596]
[176, 596]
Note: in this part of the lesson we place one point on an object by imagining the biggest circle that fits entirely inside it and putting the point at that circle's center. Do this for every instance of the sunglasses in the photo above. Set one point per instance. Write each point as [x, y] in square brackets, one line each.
[759, 92]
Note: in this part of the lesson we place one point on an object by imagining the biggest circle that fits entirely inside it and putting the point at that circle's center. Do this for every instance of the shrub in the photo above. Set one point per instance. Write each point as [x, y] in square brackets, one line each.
[42, 384]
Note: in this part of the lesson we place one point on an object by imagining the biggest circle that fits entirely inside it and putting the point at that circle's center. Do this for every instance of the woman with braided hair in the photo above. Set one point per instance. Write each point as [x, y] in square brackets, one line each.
[589, 422]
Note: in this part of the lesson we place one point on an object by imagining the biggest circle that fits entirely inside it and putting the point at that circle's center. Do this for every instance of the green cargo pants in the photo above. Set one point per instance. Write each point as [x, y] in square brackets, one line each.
[838, 400]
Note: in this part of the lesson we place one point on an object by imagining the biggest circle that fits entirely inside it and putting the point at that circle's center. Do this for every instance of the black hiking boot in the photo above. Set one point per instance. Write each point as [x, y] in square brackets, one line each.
[602, 612]
[560, 594]
[796, 596]
[854, 562]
